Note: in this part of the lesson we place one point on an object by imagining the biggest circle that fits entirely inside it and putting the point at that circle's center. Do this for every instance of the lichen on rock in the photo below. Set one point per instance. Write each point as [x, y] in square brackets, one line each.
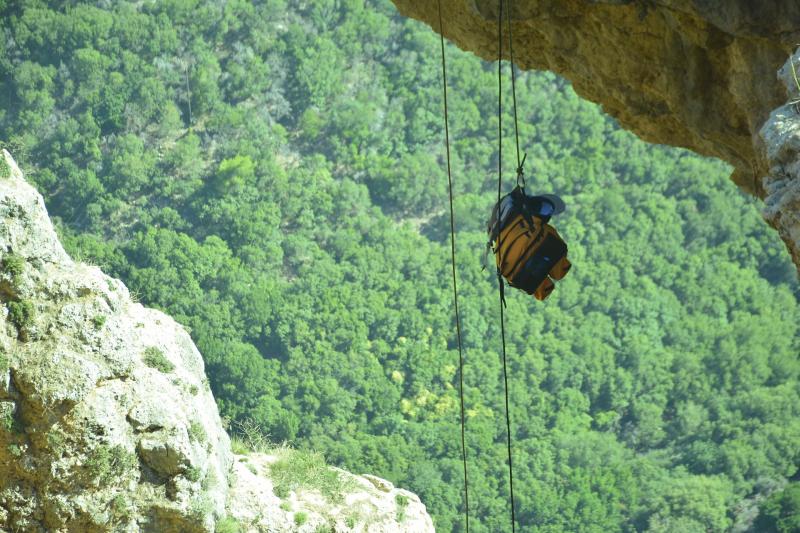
[107, 421]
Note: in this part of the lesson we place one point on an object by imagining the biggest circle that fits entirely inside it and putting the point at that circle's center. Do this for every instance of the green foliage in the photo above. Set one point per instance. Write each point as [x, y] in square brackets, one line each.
[296, 469]
[402, 504]
[5, 170]
[99, 321]
[300, 518]
[13, 265]
[196, 432]
[8, 422]
[780, 513]
[121, 508]
[228, 525]
[56, 440]
[155, 358]
[193, 474]
[238, 446]
[271, 174]
[21, 313]
[108, 464]
[250, 437]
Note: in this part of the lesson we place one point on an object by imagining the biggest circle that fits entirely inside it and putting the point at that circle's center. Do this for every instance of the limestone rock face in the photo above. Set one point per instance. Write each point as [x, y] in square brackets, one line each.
[368, 505]
[781, 136]
[689, 73]
[107, 422]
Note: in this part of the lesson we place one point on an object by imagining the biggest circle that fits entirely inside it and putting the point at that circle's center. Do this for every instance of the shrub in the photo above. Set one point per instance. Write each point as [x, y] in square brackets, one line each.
[253, 437]
[193, 474]
[300, 518]
[228, 525]
[98, 321]
[301, 469]
[13, 265]
[155, 358]
[106, 463]
[21, 314]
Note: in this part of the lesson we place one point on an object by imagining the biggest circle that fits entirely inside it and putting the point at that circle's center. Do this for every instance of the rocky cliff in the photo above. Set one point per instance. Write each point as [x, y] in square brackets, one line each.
[689, 73]
[107, 422]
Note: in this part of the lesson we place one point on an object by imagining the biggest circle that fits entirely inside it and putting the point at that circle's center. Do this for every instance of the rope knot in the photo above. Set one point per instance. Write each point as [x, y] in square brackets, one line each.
[521, 172]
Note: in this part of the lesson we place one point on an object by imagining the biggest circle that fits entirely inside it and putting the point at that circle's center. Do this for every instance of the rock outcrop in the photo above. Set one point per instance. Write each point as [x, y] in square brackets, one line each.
[107, 421]
[781, 136]
[689, 73]
[366, 504]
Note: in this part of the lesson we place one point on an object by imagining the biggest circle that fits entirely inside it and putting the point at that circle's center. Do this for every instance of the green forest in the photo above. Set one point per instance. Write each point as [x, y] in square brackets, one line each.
[272, 174]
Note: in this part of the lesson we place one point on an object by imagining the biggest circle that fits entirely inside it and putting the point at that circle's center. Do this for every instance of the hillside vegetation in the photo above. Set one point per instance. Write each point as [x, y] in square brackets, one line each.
[271, 174]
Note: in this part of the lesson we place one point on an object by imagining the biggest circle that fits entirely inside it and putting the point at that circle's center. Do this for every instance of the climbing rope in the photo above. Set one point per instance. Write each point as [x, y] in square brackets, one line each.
[453, 262]
[521, 183]
[499, 275]
[520, 164]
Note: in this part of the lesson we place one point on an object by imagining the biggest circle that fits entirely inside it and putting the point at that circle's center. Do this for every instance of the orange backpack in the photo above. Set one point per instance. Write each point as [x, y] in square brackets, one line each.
[529, 252]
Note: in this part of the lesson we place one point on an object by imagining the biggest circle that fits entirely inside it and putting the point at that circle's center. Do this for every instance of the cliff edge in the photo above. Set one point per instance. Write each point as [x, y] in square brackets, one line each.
[107, 421]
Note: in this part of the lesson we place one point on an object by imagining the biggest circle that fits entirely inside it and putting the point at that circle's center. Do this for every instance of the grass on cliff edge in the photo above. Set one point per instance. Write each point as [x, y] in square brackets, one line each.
[294, 469]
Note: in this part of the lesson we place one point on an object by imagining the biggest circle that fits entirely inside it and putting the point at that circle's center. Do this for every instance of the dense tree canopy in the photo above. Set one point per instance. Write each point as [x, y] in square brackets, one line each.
[271, 173]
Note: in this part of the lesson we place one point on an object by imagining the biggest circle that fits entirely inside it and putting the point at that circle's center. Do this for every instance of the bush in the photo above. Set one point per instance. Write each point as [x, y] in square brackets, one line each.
[300, 518]
[13, 265]
[228, 525]
[155, 358]
[106, 463]
[193, 474]
[300, 469]
[21, 314]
